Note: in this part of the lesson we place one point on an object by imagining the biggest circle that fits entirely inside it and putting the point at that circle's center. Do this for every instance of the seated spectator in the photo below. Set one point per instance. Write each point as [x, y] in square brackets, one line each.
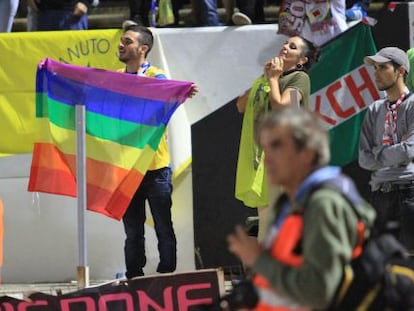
[8, 9]
[250, 12]
[358, 10]
[143, 12]
[323, 20]
[205, 13]
[31, 20]
[60, 14]
[176, 6]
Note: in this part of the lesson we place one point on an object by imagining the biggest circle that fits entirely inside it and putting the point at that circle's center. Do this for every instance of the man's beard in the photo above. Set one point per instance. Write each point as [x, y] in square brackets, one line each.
[387, 87]
[123, 57]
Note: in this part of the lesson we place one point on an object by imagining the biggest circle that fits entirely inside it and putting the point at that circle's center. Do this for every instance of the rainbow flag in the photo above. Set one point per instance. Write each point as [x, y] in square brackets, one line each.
[126, 116]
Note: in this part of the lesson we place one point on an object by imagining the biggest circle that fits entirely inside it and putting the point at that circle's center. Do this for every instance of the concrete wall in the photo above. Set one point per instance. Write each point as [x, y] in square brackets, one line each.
[41, 241]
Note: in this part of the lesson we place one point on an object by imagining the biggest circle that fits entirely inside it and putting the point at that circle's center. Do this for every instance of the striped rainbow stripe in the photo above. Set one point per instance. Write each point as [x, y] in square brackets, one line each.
[126, 116]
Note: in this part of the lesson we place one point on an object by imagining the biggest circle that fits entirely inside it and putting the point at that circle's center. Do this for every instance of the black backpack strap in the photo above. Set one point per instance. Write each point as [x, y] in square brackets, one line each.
[362, 284]
[366, 290]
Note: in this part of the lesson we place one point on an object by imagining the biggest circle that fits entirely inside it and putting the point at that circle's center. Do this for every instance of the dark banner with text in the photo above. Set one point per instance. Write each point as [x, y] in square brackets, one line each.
[170, 292]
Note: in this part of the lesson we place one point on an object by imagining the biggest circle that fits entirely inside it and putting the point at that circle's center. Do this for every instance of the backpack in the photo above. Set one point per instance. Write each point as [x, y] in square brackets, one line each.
[381, 277]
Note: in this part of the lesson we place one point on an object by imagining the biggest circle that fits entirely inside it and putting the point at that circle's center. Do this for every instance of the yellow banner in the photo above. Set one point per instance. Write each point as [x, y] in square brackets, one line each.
[19, 55]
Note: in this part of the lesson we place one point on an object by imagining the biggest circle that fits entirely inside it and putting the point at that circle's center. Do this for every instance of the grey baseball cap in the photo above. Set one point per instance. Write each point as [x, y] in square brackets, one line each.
[389, 54]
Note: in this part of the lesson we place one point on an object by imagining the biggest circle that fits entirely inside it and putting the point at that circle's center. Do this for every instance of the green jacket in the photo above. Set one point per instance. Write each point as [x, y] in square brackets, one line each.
[329, 237]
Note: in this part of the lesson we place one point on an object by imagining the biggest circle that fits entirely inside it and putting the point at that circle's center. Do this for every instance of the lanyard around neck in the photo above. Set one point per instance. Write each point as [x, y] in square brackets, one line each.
[390, 130]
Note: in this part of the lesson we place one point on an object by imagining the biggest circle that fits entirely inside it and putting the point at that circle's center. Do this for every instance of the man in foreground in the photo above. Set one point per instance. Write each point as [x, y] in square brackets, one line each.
[301, 261]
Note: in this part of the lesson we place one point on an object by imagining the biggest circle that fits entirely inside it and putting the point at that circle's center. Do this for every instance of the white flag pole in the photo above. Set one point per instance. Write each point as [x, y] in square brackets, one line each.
[82, 269]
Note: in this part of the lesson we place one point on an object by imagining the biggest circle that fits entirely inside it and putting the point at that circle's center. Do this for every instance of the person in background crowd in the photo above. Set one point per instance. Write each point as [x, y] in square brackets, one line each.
[410, 77]
[8, 9]
[59, 14]
[140, 11]
[323, 20]
[31, 17]
[283, 74]
[205, 13]
[386, 146]
[156, 187]
[300, 264]
[176, 6]
[250, 12]
[321, 30]
[358, 10]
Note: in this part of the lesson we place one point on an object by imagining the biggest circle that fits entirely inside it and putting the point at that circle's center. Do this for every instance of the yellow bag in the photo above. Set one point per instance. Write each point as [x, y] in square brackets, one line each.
[165, 13]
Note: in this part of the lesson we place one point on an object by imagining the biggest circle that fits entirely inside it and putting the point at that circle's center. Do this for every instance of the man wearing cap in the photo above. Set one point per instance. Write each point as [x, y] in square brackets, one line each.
[386, 146]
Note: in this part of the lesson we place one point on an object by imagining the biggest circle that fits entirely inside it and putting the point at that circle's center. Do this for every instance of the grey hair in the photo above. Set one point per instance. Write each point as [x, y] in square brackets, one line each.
[306, 129]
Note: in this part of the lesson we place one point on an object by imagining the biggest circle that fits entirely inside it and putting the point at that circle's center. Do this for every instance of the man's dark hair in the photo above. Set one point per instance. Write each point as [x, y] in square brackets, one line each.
[145, 36]
[396, 66]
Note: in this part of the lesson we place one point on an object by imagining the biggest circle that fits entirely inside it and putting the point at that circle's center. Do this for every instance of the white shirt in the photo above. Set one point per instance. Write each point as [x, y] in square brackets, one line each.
[319, 37]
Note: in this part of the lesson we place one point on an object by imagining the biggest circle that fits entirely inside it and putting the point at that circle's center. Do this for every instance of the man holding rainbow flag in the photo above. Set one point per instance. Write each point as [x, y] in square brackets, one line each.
[127, 157]
[156, 187]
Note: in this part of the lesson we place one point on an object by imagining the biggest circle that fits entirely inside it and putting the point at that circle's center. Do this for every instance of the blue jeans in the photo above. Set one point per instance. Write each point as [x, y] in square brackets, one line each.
[8, 9]
[395, 212]
[205, 13]
[60, 20]
[156, 187]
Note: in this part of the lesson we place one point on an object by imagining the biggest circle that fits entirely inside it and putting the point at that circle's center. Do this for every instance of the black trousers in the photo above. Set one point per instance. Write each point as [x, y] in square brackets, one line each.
[156, 188]
[139, 11]
[394, 205]
[253, 9]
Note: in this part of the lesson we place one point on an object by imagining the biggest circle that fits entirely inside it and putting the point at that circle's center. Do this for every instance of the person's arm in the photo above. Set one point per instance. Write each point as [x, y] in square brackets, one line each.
[193, 90]
[367, 142]
[278, 99]
[273, 71]
[298, 82]
[242, 102]
[33, 4]
[327, 246]
[81, 7]
[402, 152]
